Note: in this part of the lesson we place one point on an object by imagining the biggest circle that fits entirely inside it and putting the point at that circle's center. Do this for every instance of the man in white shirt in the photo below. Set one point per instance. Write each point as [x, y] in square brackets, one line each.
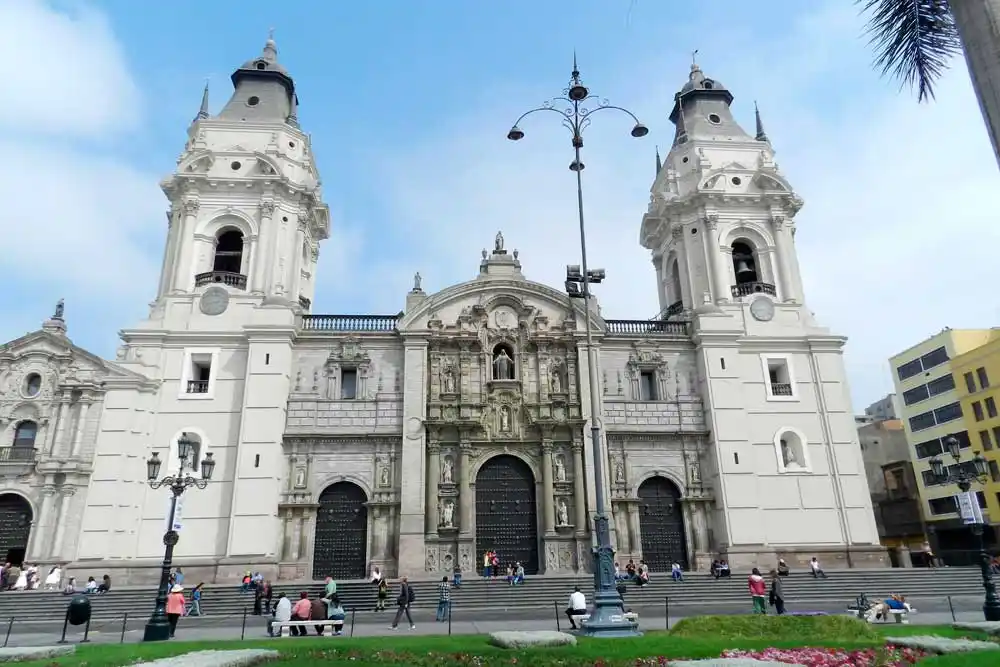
[816, 569]
[577, 607]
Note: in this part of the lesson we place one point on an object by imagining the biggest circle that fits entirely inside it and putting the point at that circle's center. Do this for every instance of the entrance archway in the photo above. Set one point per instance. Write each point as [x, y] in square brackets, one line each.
[341, 546]
[661, 524]
[506, 513]
[15, 527]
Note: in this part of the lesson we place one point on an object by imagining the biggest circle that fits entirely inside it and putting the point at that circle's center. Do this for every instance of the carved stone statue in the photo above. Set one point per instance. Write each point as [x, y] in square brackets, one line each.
[300, 478]
[505, 419]
[498, 243]
[448, 380]
[788, 457]
[447, 470]
[619, 471]
[448, 514]
[416, 281]
[383, 475]
[562, 518]
[503, 366]
[60, 309]
[556, 382]
[560, 468]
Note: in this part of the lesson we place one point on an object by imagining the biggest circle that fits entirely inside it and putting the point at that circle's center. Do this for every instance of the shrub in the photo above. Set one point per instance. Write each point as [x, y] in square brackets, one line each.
[821, 629]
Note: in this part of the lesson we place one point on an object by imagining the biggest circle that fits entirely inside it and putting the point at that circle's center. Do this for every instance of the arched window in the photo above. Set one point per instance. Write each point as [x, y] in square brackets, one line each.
[25, 434]
[229, 252]
[744, 263]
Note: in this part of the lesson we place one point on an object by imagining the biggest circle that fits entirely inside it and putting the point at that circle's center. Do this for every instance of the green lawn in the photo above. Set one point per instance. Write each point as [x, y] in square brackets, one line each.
[702, 638]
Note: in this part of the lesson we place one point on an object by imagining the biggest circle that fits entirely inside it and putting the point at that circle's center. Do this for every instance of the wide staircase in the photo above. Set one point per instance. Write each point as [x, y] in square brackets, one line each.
[538, 597]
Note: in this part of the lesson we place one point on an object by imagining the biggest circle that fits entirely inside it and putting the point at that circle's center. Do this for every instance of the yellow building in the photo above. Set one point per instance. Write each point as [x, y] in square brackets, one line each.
[931, 410]
[977, 381]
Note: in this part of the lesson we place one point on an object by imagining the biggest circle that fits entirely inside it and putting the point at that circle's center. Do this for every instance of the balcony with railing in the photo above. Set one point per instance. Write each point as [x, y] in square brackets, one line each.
[645, 328]
[352, 323]
[741, 290]
[18, 455]
[237, 280]
[197, 387]
[781, 389]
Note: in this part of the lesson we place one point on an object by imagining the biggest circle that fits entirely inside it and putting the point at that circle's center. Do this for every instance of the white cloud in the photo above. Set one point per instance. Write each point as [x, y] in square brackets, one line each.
[77, 220]
[899, 224]
[65, 73]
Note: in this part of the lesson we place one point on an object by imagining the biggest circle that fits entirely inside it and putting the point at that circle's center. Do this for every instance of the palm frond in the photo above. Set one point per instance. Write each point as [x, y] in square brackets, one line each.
[913, 40]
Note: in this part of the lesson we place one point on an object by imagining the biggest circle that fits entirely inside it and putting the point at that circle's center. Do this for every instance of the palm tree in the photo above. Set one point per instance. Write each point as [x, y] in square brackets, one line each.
[915, 39]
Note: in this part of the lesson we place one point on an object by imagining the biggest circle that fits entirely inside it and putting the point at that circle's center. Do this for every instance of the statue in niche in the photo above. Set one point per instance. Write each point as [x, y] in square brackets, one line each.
[788, 455]
[619, 471]
[695, 468]
[498, 243]
[448, 514]
[383, 475]
[300, 478]
[503, 365]
[448, 380]
[556, 381]
[563, 513]
[560, 467]
[505, 419]
[447, 470]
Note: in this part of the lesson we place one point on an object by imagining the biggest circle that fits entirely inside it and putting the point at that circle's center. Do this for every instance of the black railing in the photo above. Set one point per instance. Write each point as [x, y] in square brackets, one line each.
[746, 289]
[305, 303]
[676, 308]
[645, 328]
[350, 322]
[18, 454]
[237, 280]
[781, 389]
[197, 387]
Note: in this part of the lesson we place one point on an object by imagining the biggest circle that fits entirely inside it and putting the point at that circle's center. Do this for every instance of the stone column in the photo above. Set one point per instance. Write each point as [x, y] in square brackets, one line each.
[783, 263]
[184, 275]
[62, 519]
[548, 502]
[720, 277]
[296, 537]
[56, 433]
[81, 426]
[661, 279]
[465, 494]
[263, 250]
[578, 488]
[686, 291]
[57, 444]
[288, 536]
[635, 530]
[169, 254]
[295, 260]
[40, 526]
[433, 468]
[282, 529]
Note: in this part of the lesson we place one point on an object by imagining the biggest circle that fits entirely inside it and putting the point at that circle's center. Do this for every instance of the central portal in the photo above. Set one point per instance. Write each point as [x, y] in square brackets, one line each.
[506, 513]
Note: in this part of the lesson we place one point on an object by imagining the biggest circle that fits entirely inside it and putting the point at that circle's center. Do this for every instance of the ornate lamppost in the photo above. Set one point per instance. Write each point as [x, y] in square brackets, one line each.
[157, 627]
[963, 475]
[575, 107]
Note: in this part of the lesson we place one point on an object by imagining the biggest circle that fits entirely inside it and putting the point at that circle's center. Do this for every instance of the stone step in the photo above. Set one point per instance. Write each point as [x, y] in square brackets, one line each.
[476, 593]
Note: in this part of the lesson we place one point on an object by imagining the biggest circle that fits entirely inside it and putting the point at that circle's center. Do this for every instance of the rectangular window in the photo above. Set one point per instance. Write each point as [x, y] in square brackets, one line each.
[934, 358]
[200, 374]
[970, 383]
[984, 438]
[996, 435]
[994, 471]
[981, 497]
[922, 421]
[916, 395]
[977, 410]
[991, 407]
[947, 413]
[909, 369]
[647, 386]
[943, 505]
[927, 449]
[963, 439]
[928, 478]
[778, 379]
[941, 385]
[984, 379]
[349, 384]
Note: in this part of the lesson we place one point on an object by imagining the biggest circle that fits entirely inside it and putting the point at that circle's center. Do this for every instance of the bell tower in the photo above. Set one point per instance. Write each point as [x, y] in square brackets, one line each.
[246, 213]
[788, 474]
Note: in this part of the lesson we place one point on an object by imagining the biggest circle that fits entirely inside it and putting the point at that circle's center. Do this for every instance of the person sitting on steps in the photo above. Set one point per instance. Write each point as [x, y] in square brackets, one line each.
[577, 607]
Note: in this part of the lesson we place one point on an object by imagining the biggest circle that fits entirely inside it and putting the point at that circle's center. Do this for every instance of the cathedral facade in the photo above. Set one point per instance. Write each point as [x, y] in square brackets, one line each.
[416, 441]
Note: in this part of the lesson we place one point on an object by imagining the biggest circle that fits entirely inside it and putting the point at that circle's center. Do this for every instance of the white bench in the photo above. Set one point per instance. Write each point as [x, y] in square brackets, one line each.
[898, 615]
[329, 625]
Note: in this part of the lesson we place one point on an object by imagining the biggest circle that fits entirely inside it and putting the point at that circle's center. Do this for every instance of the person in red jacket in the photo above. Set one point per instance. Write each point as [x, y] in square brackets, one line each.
[758, 592]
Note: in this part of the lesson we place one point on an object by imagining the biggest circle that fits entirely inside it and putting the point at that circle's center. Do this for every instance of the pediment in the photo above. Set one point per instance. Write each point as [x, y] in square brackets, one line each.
[198, 163]
[48, 353]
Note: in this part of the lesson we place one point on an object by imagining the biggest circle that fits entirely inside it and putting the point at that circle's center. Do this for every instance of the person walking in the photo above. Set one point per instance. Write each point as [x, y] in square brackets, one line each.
[403, 602]
[758, 592]
[196, 600]
[175, 607]
[444, 600]
[777, 593]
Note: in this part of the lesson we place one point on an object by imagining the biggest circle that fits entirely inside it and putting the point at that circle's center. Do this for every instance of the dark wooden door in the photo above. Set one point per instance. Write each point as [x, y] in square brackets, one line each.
[506, 513]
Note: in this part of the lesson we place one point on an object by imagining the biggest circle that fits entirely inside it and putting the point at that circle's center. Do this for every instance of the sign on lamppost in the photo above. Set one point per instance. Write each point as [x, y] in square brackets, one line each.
[969, 509]
[177, 514]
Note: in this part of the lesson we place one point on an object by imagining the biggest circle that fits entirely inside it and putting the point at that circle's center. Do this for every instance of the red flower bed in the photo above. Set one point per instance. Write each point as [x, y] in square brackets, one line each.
[891, 656]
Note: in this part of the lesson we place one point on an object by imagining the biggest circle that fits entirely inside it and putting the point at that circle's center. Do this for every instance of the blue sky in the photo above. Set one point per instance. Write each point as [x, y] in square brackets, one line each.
[408, 104]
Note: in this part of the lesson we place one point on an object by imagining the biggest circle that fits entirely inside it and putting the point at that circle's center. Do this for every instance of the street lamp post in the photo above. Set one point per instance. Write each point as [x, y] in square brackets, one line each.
[157, 627]
[607, 619]
[964, 477]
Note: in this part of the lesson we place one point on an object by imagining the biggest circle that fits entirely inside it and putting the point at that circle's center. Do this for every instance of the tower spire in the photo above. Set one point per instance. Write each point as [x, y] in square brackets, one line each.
[659, 162]
[203, 111]
[761, 135]
[270, 52]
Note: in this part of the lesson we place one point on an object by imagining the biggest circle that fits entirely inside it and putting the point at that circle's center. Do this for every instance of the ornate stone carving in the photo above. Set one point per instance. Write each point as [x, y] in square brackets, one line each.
[562, 513]
[267, 208]
[559, 466]
[191, 206]
[447, 514]
[383, 471]
[645, 360]
[503, 365]
[449, 378]
[348, 355]
[677, 232]
[447, 470]
[431, 563]
[551, 558]
[712, 223]
[619, 468]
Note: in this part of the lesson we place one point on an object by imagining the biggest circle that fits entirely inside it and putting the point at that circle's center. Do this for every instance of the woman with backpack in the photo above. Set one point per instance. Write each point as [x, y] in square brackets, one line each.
[403, 602]
[382, 593]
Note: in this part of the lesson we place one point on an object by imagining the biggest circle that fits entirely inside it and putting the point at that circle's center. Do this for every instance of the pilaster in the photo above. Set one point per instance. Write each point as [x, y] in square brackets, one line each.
[719, 280]
[548, 502]
[183, 269]
[433, 466]
[413, 504]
